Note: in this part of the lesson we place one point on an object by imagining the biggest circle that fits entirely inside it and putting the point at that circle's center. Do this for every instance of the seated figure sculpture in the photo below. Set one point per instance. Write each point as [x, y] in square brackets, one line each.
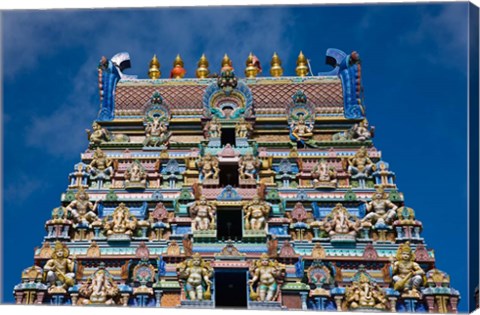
[366, 294]
[156, 132]
[300, 131]
[82, 209]
[195, 274]
[362, 131]
[380, 210]
[267, 274]
[60, 268]
[100, 168]
[203, 215]
[120, 222]
[256, 214]
[360, 166]
[408, 276]
[135, 176]
[248, 166]
[323, 175]
[100, 288]
[340, 222]
[98, 135]
[208, 167]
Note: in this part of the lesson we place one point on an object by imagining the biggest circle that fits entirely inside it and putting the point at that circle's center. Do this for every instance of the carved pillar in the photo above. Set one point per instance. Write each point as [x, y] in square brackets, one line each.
[430, 303]
[19, 297]
[158, 298]
[453, 304]
[338, 301]
[393, 303]
[303, 296]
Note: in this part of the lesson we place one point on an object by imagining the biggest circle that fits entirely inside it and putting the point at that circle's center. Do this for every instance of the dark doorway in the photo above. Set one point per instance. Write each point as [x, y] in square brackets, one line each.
[229, 224]
[230, 288]
[229, 175]
[228, 136]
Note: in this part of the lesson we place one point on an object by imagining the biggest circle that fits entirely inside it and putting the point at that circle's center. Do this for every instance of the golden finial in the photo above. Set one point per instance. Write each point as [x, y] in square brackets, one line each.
[154, 71]
[202, 68]
[302, 68]
[251, 70]
[276, 69]
[178, 70]
[226, 63]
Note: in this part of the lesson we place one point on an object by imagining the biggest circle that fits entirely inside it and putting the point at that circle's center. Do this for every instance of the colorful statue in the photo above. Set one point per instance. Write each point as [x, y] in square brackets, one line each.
[120, 222]
[243, 128]
[360, 166]
[209, 167]
[60, 269]
[339, 221]
[135, 176]
[100, 288]
[82, 209]
[203, 215]
[365, 293]
[248, 166]
[362, 131]
[256, 214]
[98, 135]
[196, 274]
[268, 273]
[101, 166]
[156, 132]
[300, 131]
[213, 129]
[408, 276]
[380, 210]
[323, 175]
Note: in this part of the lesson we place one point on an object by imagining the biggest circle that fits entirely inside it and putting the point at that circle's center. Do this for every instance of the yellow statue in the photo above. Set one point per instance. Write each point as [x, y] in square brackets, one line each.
[100, 288]
[256, 214]
[323, 175]
[408, 276]
[196, 274]
[120, 222]
[248, 166]
[242, 128]
[209, 167]
[98, 135]
[361, 131]
[101, 166]
[82, 209]
[339, 221]
[135, 175]
[380, 210]
[365, 293]
[300, 130]
[203, 215]
[268, 273]
[360, 164]
[213, 129]
[60, 269]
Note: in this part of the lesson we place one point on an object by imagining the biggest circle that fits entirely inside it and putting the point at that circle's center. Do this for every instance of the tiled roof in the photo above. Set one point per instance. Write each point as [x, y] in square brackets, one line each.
[270, 95]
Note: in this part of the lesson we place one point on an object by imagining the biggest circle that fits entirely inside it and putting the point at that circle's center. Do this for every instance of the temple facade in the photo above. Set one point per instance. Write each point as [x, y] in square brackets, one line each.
[236, 190]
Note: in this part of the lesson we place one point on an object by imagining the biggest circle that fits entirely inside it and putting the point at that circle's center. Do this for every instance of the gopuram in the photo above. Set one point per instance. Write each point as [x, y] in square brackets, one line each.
[237, 190]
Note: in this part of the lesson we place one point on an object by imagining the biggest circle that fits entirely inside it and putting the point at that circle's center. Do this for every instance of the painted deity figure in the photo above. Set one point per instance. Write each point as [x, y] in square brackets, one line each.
[209, 167]
[120, 222]
[82, 209]
[195, 273]
[339, 221]
[100, 288]
[100, 167]
[360, 165]
[243, 128]
[323, 175]
[300, 131]
[156, 132]
[267, 274]
[408, 276]
[362, 131]
[256, 214]
[203, 215]
[248, 166]
[365, 293]
[98, 135]
[380, 210]
[60, 268]
[135, 175]
[213, 129]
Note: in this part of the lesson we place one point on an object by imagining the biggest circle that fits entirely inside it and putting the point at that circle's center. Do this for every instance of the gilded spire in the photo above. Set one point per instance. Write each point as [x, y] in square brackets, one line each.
[202, 68]
[178, 70]
[226, 63]
[302, 67]
[252, 70]
[276, 69]
[154, 69]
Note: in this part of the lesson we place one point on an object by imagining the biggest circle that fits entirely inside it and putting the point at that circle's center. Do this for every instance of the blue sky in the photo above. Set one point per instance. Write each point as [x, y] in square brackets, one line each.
[414, 59]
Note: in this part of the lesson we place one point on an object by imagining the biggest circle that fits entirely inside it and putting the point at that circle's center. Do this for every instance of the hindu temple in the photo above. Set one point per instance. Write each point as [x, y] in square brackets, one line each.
[234, 189]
